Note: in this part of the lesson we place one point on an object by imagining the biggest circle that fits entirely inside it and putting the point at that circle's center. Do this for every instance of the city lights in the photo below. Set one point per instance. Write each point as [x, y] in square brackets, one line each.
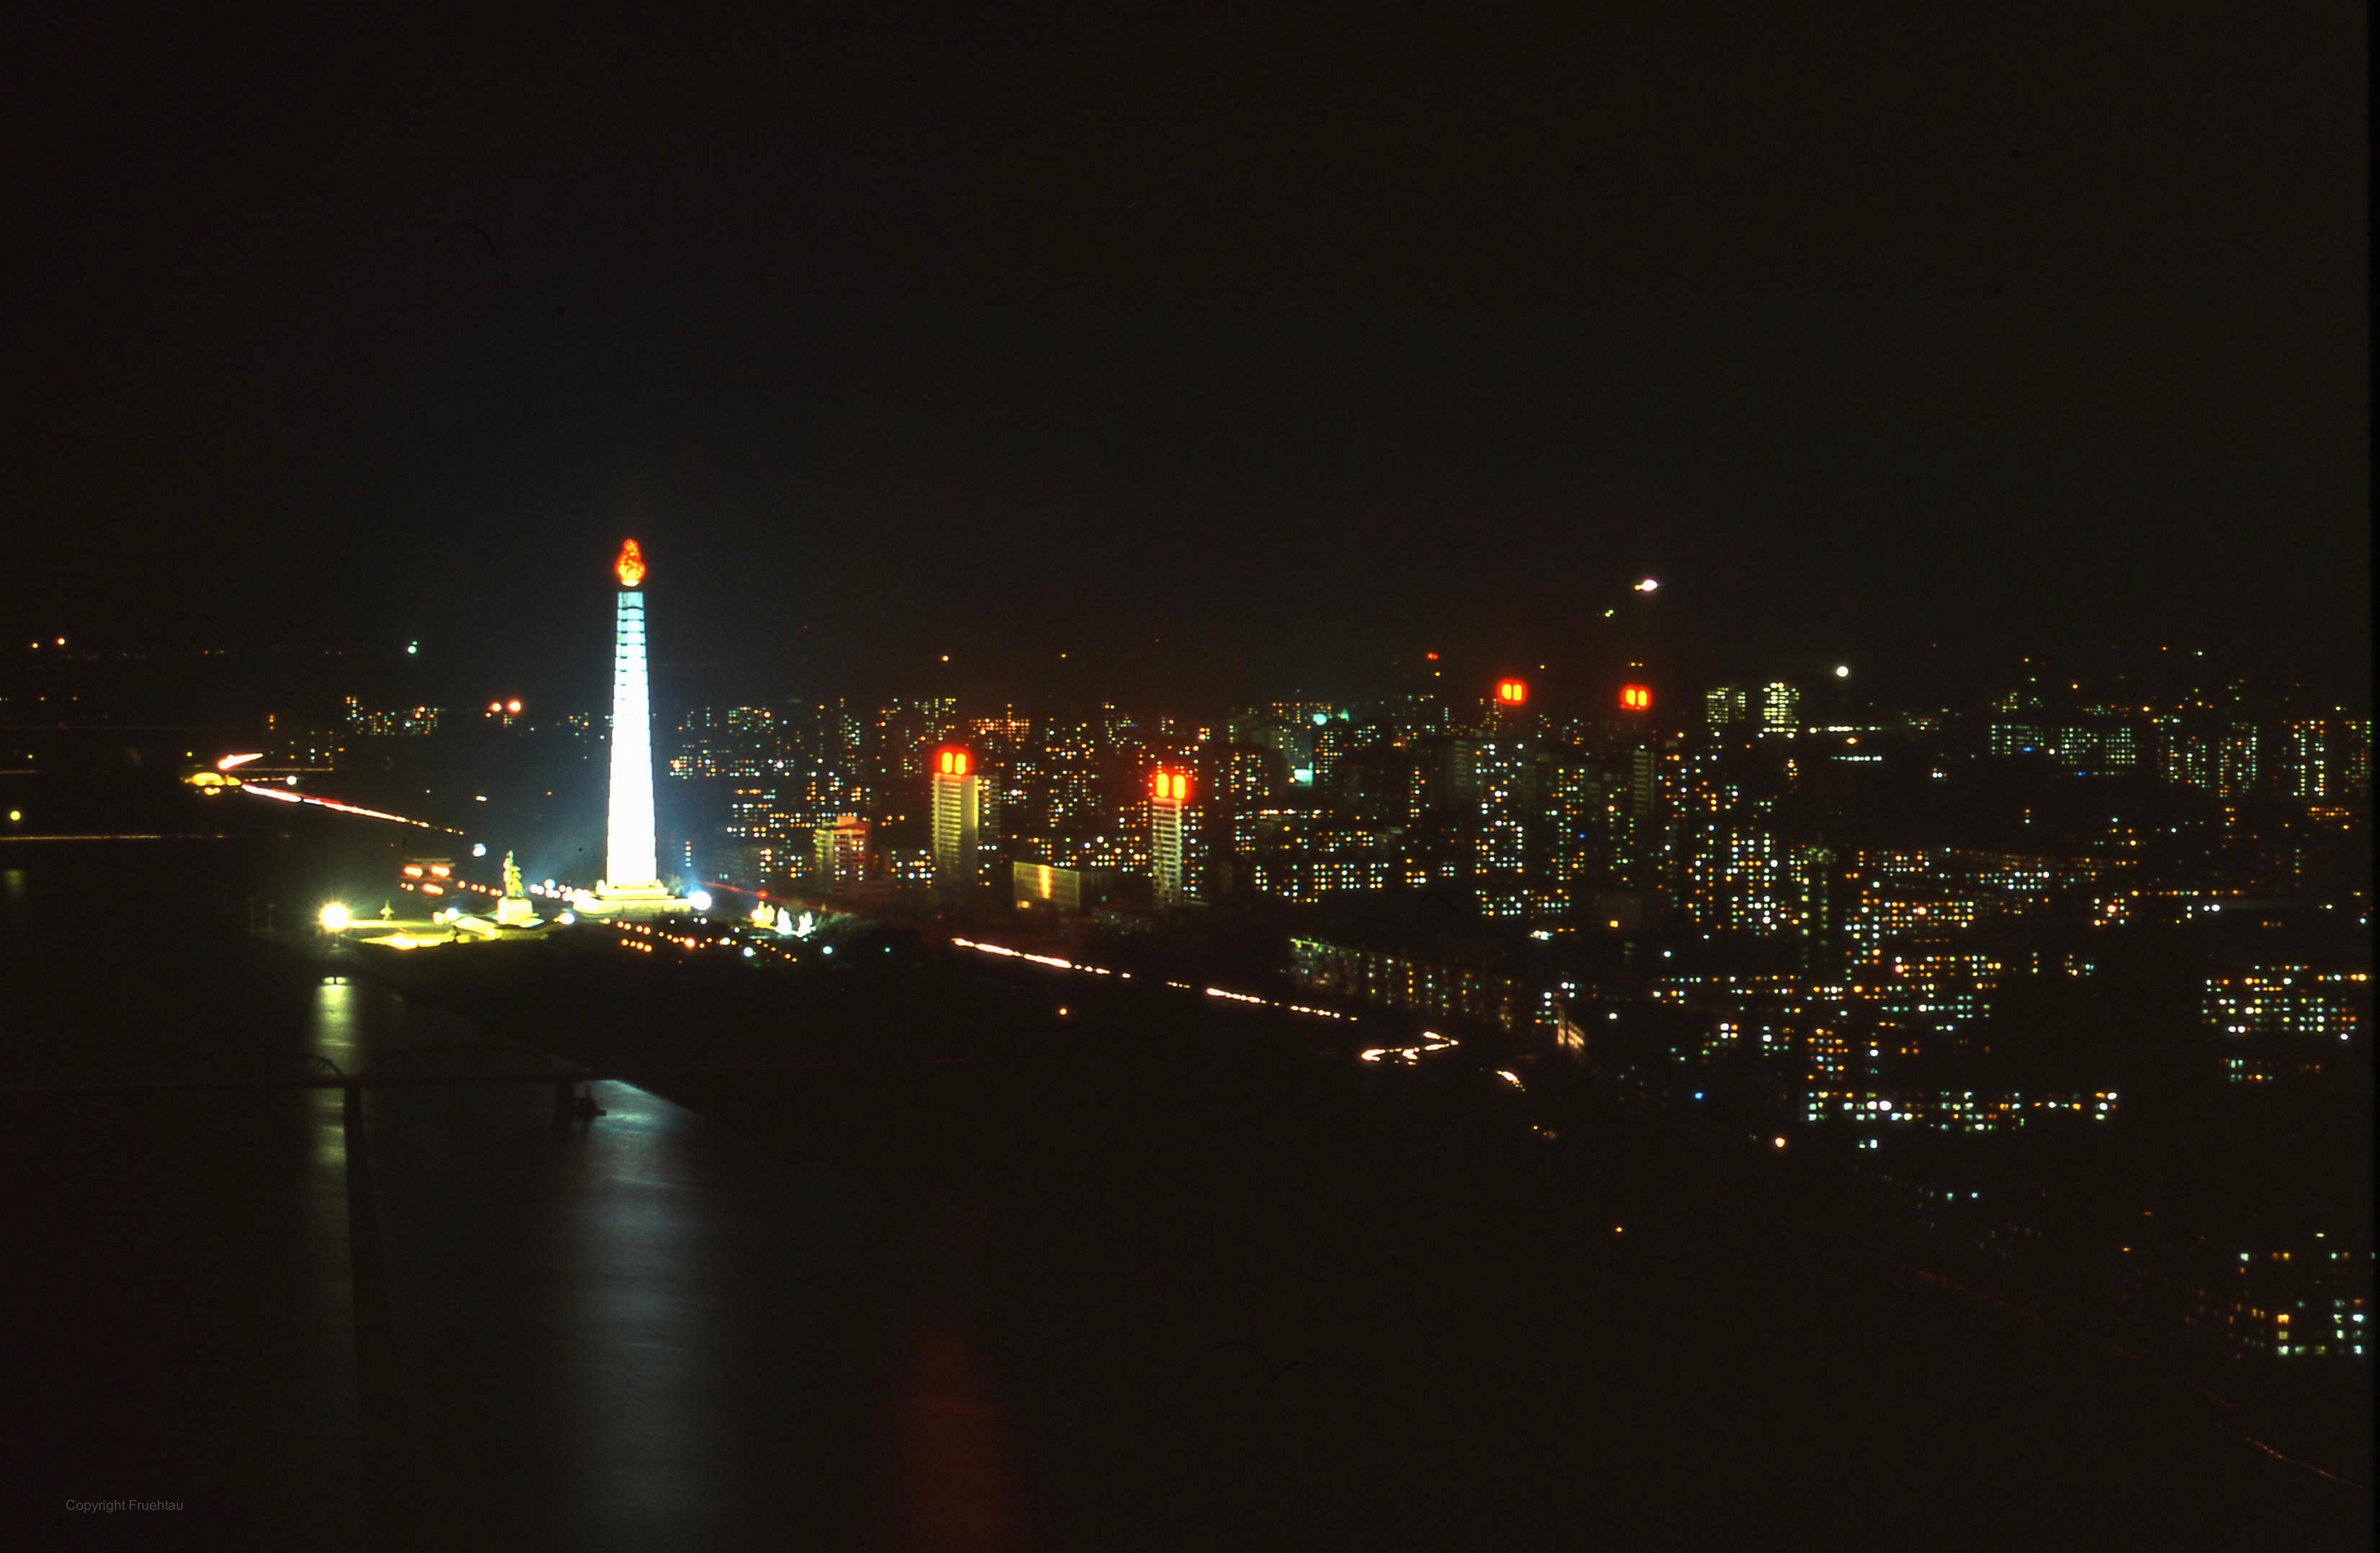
[1840, 975]
[1193, 1090]
[1843, 974]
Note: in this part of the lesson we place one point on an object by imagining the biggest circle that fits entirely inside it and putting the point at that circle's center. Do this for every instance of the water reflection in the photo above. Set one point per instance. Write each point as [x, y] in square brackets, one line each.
[628, 1329]
[334, 1022]
[637, 1293]
[948, 1469]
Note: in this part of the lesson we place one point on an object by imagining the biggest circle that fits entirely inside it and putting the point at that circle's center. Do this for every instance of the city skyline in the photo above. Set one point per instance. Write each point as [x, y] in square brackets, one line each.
[455, 672]
[1857, 366]
[1190, 776]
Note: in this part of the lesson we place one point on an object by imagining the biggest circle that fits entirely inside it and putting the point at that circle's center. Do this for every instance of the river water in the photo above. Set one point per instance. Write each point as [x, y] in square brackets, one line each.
[986, 1302]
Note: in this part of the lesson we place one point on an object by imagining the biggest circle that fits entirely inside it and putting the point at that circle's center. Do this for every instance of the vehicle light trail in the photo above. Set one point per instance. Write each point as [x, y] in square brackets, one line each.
[1057, 962]
[1431, 1041]
[283, 795]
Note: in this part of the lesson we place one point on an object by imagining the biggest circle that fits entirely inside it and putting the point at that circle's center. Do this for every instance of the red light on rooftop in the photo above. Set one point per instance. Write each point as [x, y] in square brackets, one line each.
[1511, 692]
[1431, 656]
[1635, 697]
[955, 762]
[630, 567]
[1171, 787]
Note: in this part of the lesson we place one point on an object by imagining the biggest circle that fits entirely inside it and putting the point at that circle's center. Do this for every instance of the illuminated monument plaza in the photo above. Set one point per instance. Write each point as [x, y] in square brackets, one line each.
[631, 882]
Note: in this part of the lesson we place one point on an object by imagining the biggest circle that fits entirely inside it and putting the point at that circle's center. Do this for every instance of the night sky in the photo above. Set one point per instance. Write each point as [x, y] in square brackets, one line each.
[1290, 345]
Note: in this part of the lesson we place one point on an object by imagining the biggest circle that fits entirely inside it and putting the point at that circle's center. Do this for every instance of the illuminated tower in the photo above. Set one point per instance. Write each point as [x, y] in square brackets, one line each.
[1169, 793]
[631, 875]
[958, 818]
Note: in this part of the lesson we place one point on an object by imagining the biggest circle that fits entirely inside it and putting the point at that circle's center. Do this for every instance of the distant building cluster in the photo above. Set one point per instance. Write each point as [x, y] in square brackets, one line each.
[389, 722]
[1746, 827]
[1947, 941]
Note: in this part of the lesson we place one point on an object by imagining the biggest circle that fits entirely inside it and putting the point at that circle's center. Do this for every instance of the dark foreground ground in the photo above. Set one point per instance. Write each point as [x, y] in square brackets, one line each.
[922, 1264]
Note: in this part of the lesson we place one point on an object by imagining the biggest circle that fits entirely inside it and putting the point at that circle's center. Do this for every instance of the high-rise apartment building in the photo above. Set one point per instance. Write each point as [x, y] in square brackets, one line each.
[2294, 1000]
[1169, 800]
[2323, 759]
[840, 855]
[1727, 707]
[2221, 758]
[729, 742]
[1506, 777]
[958, 818]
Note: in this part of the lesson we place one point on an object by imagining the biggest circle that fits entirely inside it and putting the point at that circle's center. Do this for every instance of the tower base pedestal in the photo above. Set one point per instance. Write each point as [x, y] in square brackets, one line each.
[635, 900]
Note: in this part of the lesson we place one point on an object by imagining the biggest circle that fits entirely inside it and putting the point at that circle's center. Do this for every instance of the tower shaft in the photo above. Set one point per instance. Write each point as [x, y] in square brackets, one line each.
[630, 862]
